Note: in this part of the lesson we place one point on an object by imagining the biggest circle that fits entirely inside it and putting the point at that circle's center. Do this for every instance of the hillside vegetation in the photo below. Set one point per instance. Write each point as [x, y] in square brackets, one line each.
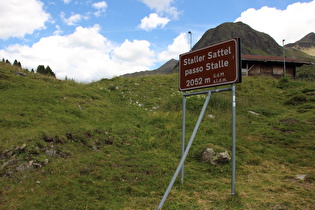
[115, 144]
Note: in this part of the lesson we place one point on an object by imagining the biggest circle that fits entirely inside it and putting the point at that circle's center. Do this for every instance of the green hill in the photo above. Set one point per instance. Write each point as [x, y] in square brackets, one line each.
[115, 144]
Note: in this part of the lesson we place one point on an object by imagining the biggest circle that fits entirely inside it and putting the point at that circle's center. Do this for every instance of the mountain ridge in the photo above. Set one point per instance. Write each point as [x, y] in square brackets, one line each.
[164, 69]
[306, 44]
[253, 42]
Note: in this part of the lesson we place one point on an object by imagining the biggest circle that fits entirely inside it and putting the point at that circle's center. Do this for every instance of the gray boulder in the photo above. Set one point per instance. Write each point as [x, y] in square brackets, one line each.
[215, 158]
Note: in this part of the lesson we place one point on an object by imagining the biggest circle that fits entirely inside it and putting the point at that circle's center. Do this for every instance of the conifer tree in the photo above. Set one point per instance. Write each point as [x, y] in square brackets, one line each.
[17, 63]
[50, 72]
[46, 71]
[40, 69]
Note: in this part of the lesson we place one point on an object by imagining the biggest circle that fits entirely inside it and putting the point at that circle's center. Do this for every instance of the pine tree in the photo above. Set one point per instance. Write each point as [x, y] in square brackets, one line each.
[46, 71]
[17, 63]
[50, 72]
[40, 69]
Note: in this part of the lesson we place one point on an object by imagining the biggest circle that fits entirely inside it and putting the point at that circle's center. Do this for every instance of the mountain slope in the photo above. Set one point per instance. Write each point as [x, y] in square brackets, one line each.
[164, 69]
[306, 44]
[253, 42]
[115, 144]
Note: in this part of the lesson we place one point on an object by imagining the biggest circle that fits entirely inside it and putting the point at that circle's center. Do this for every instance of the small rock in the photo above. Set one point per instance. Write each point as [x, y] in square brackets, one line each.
[11, 162]
[211, 116]
[37, 165]
[51, 152]
[254, 113]
[46, 161]
[94, 146]
[209, 155]
[20, 148]
[223, 157]
[20, 73]
[301, 177]
[37, 182]
[26, 166]
[7, 153]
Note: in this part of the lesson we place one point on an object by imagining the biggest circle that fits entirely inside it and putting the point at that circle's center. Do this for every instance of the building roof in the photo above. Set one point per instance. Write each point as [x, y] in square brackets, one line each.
[261, 58]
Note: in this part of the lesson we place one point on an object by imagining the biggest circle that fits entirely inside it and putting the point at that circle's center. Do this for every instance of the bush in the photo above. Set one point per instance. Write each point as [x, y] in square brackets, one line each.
[297, 99]
[284, 82]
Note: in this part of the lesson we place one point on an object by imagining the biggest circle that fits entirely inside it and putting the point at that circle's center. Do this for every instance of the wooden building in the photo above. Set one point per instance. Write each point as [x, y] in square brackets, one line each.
[255, 65]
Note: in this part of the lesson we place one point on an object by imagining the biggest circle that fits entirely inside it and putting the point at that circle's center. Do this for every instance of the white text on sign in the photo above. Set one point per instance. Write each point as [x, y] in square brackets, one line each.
[210, 65]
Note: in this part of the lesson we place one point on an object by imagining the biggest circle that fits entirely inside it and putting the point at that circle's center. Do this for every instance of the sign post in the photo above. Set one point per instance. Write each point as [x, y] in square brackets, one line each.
[216, 65]
[211, 66]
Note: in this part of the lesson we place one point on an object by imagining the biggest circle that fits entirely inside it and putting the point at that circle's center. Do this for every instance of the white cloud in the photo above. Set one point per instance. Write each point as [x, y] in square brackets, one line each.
[162, 7]
[100, 7]
[291, 24]
[73, 19]
[66, 1]
[136, 53]
[180, 45]
[84, 55]
[58, 31]
[26, 17]
[153, 21]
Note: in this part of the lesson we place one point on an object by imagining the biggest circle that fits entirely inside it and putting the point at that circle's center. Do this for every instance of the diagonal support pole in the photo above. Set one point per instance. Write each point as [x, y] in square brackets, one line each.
[181, 163]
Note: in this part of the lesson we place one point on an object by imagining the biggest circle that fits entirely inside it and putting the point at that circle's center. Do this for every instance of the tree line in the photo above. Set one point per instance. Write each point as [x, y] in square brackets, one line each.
[41, 69]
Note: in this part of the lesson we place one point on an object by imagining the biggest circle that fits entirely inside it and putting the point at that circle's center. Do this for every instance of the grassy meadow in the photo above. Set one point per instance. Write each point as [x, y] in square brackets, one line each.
[115, 144]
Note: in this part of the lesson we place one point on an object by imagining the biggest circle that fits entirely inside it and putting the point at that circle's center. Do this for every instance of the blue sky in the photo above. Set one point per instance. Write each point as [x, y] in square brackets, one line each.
[95, 39]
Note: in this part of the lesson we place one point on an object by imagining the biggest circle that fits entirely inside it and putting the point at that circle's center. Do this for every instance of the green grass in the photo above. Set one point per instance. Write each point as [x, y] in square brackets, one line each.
[115, 144]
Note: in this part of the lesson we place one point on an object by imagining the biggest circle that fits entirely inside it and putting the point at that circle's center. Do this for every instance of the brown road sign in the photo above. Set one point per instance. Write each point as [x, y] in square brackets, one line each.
[218, 64]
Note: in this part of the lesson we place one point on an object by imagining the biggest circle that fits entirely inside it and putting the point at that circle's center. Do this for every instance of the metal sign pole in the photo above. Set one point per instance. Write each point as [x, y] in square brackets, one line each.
[180, 167]
[233, 139]
[183, 133]
[224, 61]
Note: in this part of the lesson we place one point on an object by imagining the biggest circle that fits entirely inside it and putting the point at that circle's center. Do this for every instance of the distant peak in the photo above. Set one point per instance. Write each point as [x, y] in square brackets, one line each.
[253, 42]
